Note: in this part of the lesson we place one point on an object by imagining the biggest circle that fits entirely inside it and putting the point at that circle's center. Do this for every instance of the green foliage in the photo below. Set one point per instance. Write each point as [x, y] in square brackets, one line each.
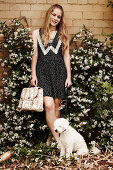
[110, 3]
[91, 101]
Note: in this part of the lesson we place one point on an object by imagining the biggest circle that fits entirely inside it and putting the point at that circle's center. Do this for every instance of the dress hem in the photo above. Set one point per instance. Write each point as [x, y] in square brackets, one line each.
[54, 97]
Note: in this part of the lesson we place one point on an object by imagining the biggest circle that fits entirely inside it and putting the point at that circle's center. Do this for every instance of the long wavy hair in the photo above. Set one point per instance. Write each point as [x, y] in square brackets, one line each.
[61, 28]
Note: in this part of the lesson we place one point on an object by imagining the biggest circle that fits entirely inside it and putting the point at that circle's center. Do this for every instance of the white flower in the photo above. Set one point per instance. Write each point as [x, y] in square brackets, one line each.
[86, 67]
[36, 159]
[92, 86]
[78, 35]
[1, 127]
[1, 34]
[106, 77]
[100, 55]
[81, 77]
[5, 45]
[85, 111]
[95, 64]
[31, 125]
[44, 127]
[2, 64]
[29, 29]
[91, 61]
[86, 61]
[90, 34]
[88, 42]
[97, 45]
[15, 34]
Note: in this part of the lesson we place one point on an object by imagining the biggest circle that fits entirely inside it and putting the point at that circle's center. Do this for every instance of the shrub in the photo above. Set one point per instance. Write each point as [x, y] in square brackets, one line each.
[20, 129]
[91, 101]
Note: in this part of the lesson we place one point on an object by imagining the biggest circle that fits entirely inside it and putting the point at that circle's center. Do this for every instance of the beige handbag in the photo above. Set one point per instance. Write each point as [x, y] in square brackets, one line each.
[31, 99]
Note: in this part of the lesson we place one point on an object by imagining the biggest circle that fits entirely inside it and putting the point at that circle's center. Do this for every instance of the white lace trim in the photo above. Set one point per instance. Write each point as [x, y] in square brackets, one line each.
[45, 51]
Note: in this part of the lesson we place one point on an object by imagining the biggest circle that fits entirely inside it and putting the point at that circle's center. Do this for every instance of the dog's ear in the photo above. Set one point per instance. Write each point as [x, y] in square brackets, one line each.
[66, 124]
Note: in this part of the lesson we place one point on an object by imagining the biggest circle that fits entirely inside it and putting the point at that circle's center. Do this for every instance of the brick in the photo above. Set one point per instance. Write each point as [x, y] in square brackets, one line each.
[68, 22]
[2, 0]
[67, 7]
[73, 30]
[31, 2]
[17, 7]
[31, 14]
[43, 14]
[4, 6]
[92, 1]
[100, 8]
[0, 86]
[61, 1]
[36, 22]
[73, 15]
[9, 14]
[87, 23]
[82, 1]
[41, 7]
[51, 1]
[100, 37]
[28, 21]
[0, 76]
[108, 15]
[93, 15]
[34, 28]
[108, 30]
[72, 1]
[1, 55]
[100, 23]
[9, 1]
[82, 8]
[41, 1]
[102, 1]
[96, 30]
[20, 1]
[76, 8]
[1, 69]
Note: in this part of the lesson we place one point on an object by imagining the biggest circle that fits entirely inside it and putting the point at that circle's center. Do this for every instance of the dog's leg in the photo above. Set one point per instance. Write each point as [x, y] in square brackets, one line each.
[69, 151]
[62, 153]
[82, 152]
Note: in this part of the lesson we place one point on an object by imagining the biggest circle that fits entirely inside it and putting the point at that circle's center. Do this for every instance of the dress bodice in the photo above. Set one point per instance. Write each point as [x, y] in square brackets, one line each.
[53, 50]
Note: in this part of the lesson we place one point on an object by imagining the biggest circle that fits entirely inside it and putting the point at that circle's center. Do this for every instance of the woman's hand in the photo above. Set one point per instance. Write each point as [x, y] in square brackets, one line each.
[68, 82]
[34, 81]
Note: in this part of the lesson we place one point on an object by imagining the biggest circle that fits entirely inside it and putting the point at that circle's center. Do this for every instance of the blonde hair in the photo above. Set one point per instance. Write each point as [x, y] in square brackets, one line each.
[61, 27]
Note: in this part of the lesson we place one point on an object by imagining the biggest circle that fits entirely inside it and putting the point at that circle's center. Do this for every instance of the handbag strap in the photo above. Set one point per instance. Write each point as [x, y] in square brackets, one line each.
[67, 90]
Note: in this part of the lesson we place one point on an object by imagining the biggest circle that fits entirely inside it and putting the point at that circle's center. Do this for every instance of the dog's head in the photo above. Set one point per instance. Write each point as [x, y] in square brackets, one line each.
[60, 125]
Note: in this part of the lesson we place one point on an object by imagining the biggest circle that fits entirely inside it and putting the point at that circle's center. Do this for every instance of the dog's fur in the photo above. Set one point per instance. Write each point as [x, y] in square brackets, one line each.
[70, 139]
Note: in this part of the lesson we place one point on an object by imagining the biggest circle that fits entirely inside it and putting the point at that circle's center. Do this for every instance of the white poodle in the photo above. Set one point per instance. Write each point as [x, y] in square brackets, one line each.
[70, 139]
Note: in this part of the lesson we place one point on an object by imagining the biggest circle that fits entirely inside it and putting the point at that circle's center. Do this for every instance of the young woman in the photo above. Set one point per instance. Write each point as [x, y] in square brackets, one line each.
[50, 66]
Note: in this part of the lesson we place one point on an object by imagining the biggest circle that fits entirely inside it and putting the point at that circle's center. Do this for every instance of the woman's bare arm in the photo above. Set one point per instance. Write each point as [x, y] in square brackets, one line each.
[67, 61]
[34, 80]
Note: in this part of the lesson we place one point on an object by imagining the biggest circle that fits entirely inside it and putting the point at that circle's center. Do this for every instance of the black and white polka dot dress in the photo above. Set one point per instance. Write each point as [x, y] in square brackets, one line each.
[51, 70]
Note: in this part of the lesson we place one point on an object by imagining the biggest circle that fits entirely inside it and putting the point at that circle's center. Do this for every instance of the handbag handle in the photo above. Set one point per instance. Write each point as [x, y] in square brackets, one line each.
[34, 86]
[67, 90]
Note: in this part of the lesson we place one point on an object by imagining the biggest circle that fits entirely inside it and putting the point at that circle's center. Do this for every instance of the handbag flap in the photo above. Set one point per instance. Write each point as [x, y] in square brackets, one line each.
[29, 93]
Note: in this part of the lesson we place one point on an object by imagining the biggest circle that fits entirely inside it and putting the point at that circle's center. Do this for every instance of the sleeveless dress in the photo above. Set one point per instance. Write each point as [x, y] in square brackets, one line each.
[51, 70]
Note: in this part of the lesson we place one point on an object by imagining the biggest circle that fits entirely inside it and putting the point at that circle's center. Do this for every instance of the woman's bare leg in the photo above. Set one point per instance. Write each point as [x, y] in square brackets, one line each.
[57, 110]
[50, 115]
